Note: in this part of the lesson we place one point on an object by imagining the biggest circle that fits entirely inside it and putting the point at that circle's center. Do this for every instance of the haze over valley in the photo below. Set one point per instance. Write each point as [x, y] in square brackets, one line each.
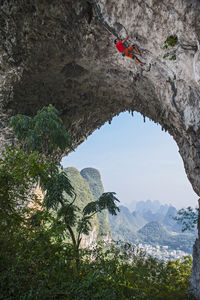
[150, 226]
[137, 160]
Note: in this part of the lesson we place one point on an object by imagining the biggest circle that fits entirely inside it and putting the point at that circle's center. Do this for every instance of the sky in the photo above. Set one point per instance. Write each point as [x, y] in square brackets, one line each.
[137, 160]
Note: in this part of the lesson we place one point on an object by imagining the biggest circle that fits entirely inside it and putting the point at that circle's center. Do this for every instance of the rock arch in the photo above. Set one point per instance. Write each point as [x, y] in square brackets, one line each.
[50, 54]
[58, 52]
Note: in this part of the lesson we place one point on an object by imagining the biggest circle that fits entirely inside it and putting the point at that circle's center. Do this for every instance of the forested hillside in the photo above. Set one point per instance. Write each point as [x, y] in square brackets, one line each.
[93, 177]
[83, 197]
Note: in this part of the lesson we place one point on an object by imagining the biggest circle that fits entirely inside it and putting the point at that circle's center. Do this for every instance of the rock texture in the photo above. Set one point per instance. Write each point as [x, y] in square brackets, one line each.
[60, 52]
[195, 276]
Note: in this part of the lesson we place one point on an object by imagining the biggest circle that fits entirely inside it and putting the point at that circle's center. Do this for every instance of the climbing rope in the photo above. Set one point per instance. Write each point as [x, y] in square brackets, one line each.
[112, 30]
[97, 8]
[109, 28]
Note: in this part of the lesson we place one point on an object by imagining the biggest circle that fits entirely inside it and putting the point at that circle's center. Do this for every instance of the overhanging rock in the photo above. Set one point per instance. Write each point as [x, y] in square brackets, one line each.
[62, 52]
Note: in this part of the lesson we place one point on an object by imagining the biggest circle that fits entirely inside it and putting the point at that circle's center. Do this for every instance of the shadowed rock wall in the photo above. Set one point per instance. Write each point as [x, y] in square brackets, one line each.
[60, 52]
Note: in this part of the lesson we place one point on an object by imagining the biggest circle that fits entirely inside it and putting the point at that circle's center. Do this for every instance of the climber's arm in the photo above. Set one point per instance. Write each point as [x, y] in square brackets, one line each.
[124, 41]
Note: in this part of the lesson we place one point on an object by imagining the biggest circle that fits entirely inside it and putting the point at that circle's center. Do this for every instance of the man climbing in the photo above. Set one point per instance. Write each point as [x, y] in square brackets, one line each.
[128, 51]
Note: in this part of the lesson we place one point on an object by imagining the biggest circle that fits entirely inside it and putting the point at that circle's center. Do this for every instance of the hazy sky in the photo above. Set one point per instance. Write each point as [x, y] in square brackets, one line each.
[136, 160]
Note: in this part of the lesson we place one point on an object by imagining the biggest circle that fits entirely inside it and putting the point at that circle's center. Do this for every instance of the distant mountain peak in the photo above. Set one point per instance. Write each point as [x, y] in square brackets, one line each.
[93, 177]
[124, 209]
[154, 224]
[148, 205]
[91, 173]
[154, 230]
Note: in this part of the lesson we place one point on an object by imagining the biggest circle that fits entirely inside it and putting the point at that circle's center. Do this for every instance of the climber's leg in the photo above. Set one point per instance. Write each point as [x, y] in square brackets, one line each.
[129, 52]
[131, 55]
[137, 50]
[138, 61]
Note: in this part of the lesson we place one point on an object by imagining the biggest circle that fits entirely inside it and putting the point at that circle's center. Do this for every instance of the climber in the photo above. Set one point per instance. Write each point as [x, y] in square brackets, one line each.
[128, 51]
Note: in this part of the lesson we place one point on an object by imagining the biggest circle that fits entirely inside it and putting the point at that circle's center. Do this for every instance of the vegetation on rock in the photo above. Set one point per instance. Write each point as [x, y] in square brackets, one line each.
[82, 190]
[93, 177]
[170, 41]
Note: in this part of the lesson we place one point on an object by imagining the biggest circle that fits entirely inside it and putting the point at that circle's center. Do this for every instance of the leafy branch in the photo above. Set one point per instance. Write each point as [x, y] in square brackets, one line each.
[188, 218]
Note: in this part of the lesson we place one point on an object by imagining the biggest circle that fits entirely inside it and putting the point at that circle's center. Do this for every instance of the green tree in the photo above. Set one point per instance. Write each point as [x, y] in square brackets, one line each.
[188, 218]
[77, 222]
[37, 263]
[22, 246]
[45, 133]
[19, 171]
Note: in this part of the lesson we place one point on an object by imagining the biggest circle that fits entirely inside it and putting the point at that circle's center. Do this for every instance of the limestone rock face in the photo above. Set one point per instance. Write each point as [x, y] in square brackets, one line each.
[93, 177]
[195, 276]
[62, 52]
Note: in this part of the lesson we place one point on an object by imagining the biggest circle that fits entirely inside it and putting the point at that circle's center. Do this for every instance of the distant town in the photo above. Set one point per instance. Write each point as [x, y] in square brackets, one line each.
[162, 252]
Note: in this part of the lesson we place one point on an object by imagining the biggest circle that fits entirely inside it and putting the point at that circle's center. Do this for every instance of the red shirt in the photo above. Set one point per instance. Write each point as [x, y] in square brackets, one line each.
[120, 47]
